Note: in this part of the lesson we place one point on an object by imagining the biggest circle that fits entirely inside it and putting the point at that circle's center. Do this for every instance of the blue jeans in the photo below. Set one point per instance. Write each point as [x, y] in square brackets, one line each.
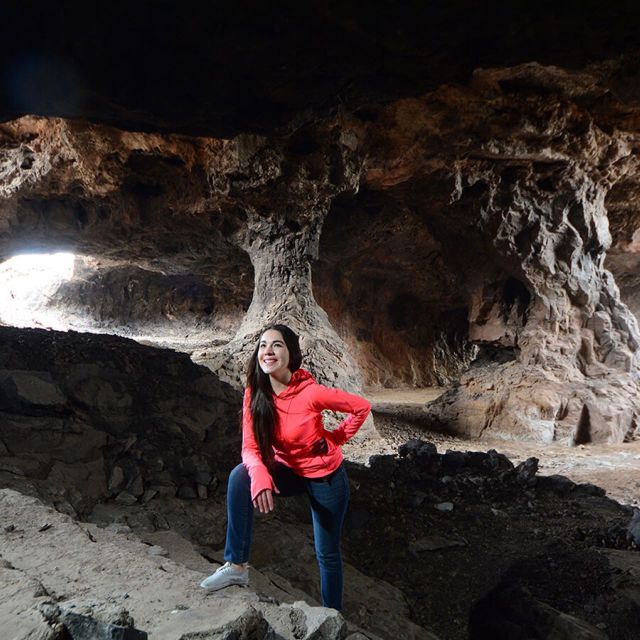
[328, 498]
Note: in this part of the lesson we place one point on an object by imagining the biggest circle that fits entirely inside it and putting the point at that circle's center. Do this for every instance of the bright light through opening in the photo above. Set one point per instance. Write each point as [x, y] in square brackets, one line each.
[27, 283]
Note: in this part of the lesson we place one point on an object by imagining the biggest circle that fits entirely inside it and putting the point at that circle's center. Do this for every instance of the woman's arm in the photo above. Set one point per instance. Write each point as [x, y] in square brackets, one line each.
[337, 400]
[251, 457]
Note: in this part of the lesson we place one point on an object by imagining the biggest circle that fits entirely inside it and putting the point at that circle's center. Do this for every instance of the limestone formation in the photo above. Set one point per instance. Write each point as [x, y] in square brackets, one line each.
[282, 245]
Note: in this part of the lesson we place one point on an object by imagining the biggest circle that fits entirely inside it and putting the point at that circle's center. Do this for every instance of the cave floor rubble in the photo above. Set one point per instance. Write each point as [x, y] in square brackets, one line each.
[400, 414]
[58, 569]
[443, 535]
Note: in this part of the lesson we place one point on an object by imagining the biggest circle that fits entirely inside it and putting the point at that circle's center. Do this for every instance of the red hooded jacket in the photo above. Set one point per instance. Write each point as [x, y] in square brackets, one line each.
[299, 427]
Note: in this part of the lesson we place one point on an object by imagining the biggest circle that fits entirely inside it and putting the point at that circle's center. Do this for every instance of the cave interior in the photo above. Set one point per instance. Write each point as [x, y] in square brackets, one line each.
[436, 196]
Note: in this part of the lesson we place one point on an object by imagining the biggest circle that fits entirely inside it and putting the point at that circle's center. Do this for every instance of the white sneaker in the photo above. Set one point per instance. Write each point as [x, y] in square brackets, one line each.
[226, 576]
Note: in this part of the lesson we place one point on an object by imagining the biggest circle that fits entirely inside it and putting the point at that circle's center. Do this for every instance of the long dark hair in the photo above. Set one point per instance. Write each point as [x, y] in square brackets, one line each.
[263, 410]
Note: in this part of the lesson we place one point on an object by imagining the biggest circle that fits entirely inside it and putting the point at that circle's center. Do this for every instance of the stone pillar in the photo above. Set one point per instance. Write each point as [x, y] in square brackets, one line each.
[546, 301]
[281, 252]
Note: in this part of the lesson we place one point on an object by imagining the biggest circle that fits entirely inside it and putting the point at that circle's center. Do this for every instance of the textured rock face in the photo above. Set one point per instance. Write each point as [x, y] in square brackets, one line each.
[391, 294]
[254, 211]
[465, 226]
[108, 295]
[86, 418]
[516, 198]
[282, 244]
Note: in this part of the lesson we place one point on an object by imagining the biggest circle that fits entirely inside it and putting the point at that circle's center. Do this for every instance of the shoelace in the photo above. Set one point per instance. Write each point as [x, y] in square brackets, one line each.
[227, 567]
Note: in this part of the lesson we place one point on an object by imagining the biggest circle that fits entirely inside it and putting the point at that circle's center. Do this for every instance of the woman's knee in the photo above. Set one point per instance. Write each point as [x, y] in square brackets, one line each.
[239, 477]
[329, 560]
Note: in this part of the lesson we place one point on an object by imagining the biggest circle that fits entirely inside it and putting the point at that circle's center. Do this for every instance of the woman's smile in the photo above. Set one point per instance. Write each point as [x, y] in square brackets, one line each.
[269, 361]
[273, 355]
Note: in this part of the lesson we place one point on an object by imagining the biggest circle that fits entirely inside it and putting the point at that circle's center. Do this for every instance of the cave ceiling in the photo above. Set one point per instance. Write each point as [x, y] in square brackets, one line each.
[222, 68]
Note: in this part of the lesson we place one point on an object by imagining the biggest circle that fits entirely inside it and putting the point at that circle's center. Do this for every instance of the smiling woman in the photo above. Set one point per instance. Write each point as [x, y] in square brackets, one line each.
[287, 451]
[27, 282]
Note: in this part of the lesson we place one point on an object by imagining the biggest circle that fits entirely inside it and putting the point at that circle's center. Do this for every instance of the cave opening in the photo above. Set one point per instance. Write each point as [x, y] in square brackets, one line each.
[27, 282]
[178, 309]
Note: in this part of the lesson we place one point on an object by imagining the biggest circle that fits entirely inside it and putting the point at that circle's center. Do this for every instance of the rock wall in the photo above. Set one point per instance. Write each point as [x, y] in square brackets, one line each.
[513, 185]
[392, 295]
[455, 237]
[240, 215]
[87, 418]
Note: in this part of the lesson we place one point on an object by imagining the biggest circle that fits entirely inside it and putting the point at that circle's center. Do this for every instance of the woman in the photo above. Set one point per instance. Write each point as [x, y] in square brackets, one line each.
[286, 451]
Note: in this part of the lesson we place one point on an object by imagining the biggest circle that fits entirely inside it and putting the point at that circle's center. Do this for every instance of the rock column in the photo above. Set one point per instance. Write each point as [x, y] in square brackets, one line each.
[573, 369]
[281, 252]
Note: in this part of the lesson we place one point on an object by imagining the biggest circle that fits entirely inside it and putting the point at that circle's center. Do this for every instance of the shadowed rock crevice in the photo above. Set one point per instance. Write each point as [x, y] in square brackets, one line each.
[391, 290]
[520, 603]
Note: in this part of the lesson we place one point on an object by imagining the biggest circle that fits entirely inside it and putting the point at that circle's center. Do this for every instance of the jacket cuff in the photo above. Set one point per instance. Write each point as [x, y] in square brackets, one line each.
[260, 480]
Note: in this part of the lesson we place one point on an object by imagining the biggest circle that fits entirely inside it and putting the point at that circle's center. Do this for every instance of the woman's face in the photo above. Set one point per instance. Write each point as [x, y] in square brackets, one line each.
[273, 355]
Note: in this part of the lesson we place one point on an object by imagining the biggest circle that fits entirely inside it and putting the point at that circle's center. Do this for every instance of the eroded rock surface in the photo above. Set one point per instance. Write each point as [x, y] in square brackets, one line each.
[469, 223]
[88, 417]
[109, 586]
[254, 210]
[421, 527]
[516, 189]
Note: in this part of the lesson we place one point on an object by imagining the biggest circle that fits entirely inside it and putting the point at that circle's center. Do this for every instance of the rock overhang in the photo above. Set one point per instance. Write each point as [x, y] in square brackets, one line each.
[225, 68]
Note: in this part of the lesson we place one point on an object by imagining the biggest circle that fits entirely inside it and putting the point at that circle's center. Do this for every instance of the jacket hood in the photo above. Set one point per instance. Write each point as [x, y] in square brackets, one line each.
[299, 380]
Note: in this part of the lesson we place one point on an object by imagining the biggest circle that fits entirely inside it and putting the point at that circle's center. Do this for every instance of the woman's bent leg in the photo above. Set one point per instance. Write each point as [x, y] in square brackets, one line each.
[239, 516]
[329, 500]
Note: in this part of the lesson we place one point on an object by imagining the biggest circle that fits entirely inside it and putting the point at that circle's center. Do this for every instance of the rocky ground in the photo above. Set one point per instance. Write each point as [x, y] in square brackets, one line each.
[112, 513]
[440, 541]
[401, 414]
[455, 528]
[64, 579]
[450, 545]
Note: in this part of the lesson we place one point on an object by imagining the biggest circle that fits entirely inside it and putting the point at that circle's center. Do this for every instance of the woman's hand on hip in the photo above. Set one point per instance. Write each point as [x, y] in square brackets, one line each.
[264, 500]
[320, 447]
